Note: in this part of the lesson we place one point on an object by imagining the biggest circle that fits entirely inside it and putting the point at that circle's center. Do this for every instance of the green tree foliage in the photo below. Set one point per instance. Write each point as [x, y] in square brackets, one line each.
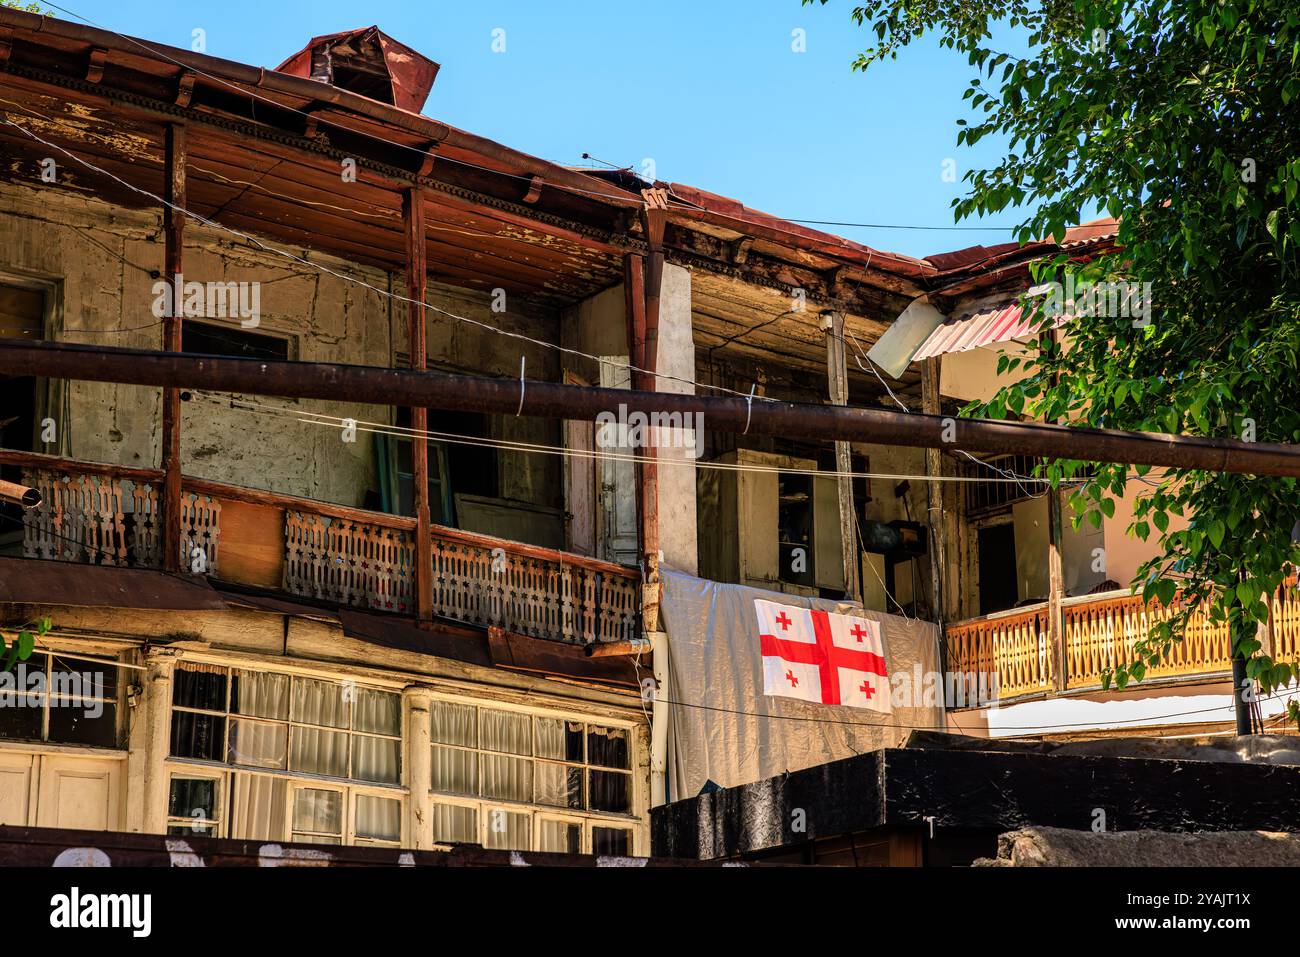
[1178, 117]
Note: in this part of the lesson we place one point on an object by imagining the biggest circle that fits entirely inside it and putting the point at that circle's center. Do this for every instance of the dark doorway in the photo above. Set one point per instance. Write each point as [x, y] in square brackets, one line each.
[997, 560]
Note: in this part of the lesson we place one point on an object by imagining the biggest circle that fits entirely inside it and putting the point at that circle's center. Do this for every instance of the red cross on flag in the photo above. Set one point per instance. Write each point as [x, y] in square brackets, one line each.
[823, 657]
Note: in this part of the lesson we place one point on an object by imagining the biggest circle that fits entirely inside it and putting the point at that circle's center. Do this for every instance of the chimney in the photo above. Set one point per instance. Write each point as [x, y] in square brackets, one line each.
[369, 62]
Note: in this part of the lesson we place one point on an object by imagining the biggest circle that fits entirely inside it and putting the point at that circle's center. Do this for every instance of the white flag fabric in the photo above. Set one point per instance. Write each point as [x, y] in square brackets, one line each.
[822, 656]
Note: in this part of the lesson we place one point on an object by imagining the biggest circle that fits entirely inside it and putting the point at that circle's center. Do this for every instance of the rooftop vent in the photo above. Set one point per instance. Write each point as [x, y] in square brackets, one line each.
[369, 62]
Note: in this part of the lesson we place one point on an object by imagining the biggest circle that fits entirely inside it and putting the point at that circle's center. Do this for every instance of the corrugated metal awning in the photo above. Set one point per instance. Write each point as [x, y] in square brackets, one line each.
[984, 328]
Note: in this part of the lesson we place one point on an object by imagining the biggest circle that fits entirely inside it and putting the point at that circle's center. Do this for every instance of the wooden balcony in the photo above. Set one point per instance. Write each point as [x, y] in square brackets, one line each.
[111, 515]
[1099, 632]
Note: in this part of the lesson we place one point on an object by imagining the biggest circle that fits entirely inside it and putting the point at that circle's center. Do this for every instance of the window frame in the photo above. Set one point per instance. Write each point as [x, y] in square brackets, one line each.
[289, 723]
[45, 696]
[628, 820]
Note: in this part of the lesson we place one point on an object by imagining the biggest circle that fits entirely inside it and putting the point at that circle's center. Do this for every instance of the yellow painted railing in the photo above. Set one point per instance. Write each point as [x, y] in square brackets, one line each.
[1016, 649]
[1012, 648]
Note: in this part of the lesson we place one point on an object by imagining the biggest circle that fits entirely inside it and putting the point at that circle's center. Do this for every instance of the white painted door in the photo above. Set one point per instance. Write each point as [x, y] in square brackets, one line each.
[17, 788]
[83, 793]
[617, 479]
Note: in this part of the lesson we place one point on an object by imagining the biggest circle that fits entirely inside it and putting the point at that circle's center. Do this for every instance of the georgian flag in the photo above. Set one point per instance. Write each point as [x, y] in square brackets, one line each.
[822, 657]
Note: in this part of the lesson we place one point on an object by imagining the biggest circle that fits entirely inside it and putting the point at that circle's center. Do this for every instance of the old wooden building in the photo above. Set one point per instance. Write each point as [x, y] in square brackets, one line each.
[336, 621]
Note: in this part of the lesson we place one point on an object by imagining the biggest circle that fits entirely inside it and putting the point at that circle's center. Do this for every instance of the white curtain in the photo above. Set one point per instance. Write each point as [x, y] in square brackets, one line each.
[315, 751]
[257, 806]
[376, 759]
[260, 694]
[323, 703]
[455, 771]
[257, 744]
[451, 822]
[378, 818]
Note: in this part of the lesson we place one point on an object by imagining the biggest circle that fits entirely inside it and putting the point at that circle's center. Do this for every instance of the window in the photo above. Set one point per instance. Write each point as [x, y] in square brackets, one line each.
[795, 528]
[60, 700]
[193, 806]
[214, 340]
[262, 807]
[286, 723]
[549, 763]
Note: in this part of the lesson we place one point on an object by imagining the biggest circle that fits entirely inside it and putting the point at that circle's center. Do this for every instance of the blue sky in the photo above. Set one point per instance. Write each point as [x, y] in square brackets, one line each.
[710, 90]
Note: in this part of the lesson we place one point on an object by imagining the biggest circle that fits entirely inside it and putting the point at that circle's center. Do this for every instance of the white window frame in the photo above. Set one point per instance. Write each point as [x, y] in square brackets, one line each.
[290, 724]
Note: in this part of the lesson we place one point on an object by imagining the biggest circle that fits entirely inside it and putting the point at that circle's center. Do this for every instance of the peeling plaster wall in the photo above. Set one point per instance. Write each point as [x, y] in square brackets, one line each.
[100, 258]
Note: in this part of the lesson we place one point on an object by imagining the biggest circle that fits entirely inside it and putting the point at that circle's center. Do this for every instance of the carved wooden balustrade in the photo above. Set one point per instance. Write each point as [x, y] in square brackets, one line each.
[110, 515]
[1011, 648]
[1099, 632]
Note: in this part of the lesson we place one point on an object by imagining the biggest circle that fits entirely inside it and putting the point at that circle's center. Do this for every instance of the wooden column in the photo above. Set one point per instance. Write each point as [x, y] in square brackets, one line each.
[155, 715]
[1055, 573]
[1055, 590]
[935, 519]
[643, 281]
[418, 348]
[417, 702]
[837, 373]
[173, 249]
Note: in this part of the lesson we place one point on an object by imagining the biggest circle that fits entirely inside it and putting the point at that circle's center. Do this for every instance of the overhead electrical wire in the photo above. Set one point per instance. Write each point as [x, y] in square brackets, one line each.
[625, 198]
[404, 432]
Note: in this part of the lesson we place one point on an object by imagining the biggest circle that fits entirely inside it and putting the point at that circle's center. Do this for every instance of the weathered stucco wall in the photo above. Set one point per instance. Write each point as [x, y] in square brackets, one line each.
[102, 260]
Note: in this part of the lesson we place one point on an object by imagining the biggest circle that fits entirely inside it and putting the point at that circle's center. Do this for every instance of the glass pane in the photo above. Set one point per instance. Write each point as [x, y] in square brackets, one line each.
[258, 807]
[378, 711]
[376, 759]
[316, 839]
[611, 840]
[559, 785]
[508, 830]
[509, 778]
[455, 771]
[93, 722]
[559, 739]
[257, 744]
[453, 724]
[193, 798]
[259, 694]
[506, 731]
[21, 716]
[199, 689]
[324, 703]
[562, 836]
[610, 791]
[78, 678]
[319, 752]
[315, 809]
[454, 823]
[200, 736]
[607, 747]
[379, 818]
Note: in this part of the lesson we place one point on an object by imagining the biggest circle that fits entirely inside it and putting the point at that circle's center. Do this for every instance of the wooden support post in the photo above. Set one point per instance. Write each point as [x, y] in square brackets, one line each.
[417, 344]
[837, 372]
[1055, 590]
[417, 702]
[641, 295]
[1055, 571]
[155, 719]
[173, 255]
[935, 519]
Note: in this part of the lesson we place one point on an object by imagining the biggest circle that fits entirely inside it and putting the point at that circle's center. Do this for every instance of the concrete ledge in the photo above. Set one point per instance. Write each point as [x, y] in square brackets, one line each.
[1058, 847]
